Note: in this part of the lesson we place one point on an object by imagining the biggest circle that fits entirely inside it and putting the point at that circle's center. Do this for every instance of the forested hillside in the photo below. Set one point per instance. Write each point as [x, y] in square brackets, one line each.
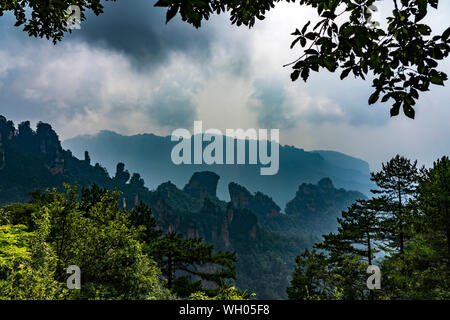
[251, 225]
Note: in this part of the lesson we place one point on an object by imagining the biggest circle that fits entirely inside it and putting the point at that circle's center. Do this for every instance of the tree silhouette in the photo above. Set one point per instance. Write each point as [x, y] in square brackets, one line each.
[397, 183]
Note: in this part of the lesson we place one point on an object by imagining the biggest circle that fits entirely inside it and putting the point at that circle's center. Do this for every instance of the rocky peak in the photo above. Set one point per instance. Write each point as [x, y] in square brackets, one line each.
[48, 140]
[25, 130]
[7, 129]
[87, 158]
[239, 196]
[136, 181]
[178, 199]
[44, 141]
[259, 203]
[318, 205]
[313, 197]
[325, 183]
[122, 175]
[202, 184]
[50, 146]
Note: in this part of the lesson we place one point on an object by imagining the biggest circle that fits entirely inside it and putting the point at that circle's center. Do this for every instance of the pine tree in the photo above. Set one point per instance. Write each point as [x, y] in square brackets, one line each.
[310, 278]
[141, 215]
[353, 247]
[397, 183]
[434, 198]
[424, 270]
[335, 268]
[411, 216]
[190, 256]
[357, 232]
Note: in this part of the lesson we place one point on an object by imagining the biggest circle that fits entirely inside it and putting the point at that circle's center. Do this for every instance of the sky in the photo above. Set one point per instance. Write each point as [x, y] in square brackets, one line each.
[128, 71]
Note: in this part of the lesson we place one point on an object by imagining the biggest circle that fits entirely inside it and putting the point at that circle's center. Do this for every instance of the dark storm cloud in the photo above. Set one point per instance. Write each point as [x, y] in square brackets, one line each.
[173, 109]
[137, 29]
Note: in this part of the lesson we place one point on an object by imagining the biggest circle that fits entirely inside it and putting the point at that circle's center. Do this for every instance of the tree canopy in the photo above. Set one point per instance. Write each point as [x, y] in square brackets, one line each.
[121, 253]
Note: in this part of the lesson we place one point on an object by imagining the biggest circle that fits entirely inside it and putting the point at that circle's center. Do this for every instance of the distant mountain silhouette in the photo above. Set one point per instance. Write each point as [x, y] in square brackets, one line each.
[149, 155]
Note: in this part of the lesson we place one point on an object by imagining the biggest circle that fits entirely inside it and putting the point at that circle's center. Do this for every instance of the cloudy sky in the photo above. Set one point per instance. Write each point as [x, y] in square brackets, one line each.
[128, 71]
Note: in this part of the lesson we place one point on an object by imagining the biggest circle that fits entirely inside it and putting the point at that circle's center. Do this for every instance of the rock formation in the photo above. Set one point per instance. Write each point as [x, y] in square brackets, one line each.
[202, 184]
[259, 203]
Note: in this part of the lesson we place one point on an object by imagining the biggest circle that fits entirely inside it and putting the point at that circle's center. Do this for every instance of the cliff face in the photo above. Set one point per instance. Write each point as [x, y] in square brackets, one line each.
[34, 159]
[43, 143]
[177, 198]
[167, 218]
[311, 198]
[259, 203]
[50, 146]
[244, 225]
[229, 227]
[215, 223]
[177, 210]
[7, 130]
[214, 220]
[202, 184]
[316, 207]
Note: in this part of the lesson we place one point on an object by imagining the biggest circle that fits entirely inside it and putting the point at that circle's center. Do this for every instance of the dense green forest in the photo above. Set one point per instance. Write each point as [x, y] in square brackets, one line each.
[134, 243]
[121, 253]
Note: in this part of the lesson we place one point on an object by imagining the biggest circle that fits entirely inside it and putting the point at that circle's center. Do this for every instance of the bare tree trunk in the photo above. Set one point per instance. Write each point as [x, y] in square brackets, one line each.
[401, 235]
[369, 259]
